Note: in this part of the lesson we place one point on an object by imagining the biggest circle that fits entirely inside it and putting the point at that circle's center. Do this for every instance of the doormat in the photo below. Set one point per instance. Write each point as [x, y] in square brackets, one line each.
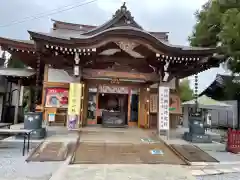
[193, 153]
[113, 153]
[50, 151]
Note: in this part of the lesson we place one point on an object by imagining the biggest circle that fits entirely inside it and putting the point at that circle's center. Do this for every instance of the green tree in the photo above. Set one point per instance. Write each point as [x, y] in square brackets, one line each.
[218, 24]
[186, 93]
[15, 63]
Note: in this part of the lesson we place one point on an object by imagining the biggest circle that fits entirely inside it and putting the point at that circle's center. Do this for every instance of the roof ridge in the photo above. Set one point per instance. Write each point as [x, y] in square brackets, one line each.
[75, 24]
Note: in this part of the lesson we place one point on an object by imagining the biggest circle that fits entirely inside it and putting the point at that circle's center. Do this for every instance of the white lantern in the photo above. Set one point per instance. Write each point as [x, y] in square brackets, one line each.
[76, 70]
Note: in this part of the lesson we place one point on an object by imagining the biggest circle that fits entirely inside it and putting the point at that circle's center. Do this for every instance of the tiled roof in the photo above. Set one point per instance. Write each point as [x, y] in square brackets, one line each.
[16, 72]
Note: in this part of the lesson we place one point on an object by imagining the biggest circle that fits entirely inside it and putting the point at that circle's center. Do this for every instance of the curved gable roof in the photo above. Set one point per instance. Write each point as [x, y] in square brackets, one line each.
[126, 31]
[122, 17]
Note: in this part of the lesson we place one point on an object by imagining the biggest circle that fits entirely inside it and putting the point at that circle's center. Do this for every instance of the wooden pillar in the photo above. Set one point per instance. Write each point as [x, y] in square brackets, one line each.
[82, 103]
[38, 79]
[147, 107]
[143, 107]
[97, 109]
[129, 105]
[85, 104]
[45, 79]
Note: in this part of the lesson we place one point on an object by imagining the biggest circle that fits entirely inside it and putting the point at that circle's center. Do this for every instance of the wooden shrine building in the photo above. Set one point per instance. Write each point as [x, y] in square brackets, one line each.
[120, 65]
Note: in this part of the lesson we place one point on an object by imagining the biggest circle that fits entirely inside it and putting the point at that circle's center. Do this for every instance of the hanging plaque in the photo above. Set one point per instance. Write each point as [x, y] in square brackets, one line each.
[113, 89]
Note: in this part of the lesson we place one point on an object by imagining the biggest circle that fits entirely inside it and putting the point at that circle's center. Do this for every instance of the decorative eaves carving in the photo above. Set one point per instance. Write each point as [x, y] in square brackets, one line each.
[128, 47]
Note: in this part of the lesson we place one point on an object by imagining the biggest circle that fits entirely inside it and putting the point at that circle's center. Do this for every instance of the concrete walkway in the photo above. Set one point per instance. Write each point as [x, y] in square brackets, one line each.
[117, 171]
[113, 135]
[125, 172]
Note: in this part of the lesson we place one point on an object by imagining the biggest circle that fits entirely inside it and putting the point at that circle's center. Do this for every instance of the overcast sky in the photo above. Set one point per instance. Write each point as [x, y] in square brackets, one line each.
[173, 16]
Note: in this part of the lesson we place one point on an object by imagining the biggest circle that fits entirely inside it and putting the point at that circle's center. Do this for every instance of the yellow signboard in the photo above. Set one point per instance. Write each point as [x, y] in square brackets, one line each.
[74, 98]
[74, 105]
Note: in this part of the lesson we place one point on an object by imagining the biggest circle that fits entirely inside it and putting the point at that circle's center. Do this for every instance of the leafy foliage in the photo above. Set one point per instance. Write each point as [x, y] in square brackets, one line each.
[15, 63]
[218, 24]
[232, 88]
[186, 93]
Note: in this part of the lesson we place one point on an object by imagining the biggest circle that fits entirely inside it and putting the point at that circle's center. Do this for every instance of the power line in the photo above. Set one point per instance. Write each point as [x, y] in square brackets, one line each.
[52, 12]
[43, 13]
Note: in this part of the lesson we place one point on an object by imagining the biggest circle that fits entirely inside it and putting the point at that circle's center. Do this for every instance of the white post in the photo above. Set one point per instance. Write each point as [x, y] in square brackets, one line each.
[163, 118]
[17, 102]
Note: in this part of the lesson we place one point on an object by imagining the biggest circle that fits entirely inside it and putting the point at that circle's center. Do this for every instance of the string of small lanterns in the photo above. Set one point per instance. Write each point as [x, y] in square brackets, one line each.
[196, 90]
[175, 59]
[22, 50]
[65, 50]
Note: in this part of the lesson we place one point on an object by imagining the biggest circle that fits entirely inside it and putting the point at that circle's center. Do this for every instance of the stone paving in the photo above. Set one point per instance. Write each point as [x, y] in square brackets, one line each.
[229, 176]
[214, 170]
[124, 172]
[14, 167]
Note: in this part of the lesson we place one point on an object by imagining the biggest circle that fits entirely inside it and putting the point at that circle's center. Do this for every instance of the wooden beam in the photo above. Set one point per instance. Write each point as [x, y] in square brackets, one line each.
[98, 73]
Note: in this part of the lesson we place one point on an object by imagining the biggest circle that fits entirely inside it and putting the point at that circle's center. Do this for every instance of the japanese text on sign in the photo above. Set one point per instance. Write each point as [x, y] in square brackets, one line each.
[163, 108]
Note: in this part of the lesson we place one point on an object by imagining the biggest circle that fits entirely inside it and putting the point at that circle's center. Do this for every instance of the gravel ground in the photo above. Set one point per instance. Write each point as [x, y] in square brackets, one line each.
[230, 176]
[13, 165]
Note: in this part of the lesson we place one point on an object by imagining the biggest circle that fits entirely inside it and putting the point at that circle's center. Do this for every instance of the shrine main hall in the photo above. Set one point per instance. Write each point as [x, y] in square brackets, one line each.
[121, 68]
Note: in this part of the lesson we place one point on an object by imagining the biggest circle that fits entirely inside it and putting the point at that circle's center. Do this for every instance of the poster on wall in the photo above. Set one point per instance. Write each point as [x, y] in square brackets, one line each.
[51, 117]
[163, 108]
[175, 104]
[56, 97]
[74, 105]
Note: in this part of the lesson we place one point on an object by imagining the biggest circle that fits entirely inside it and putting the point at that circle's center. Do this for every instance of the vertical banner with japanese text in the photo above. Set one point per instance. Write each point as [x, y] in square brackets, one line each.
[74, 105]
[163, 116]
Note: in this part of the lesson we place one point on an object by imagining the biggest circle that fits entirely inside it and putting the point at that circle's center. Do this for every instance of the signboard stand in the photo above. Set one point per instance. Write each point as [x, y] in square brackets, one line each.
[163, 111]
[74, 106]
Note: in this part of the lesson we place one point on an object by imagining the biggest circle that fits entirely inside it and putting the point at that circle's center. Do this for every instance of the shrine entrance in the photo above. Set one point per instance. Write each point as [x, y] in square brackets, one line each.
[113, 106]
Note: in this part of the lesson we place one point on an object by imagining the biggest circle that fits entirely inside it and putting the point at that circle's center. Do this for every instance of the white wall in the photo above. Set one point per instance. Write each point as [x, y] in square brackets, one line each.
[59, 75]
[225, 117]
[15, 93]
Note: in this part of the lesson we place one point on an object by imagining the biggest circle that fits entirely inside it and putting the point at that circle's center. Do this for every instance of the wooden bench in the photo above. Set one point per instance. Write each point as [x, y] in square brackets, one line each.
[24, 132]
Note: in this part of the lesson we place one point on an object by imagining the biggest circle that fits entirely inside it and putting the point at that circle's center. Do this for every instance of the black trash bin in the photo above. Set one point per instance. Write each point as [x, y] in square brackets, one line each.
[33, 120]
